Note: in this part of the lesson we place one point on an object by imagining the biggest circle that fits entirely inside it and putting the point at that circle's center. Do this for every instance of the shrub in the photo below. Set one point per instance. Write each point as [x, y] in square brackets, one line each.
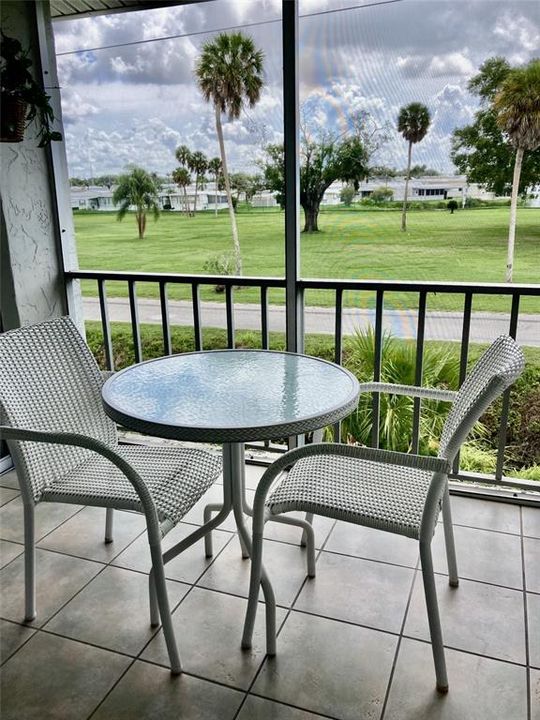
[523, 432]
[441, 369]
[347, 195]
[452, 205]
[382, 194]
[530, 473]
[473, 458]
[220, 265]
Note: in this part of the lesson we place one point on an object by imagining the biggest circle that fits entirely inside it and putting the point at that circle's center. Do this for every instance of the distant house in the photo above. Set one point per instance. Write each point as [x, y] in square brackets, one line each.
[264, 199]
[170, 197]
[429, 187]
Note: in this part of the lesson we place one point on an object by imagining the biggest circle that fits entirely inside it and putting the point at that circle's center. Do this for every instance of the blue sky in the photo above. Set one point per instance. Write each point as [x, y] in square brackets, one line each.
[138, 103]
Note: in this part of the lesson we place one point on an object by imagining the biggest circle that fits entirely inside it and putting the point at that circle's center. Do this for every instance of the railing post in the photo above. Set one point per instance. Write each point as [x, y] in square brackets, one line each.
[105, 325]
[464, 354]
[197, 329]
[135, 328]
[165, 325]
[291, 144]
[377, 367]
[419, 368]
[338, 346]
[512, 331]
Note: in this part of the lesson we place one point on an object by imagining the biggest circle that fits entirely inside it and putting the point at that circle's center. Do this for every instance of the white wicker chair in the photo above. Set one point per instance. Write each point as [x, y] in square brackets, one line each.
[396, 492]
[65, 449]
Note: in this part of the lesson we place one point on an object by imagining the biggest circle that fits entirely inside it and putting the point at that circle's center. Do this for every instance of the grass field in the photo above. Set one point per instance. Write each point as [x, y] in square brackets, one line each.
[468, 246]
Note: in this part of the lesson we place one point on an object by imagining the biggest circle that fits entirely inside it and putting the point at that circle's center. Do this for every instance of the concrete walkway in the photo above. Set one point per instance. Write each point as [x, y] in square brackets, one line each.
[401, 323]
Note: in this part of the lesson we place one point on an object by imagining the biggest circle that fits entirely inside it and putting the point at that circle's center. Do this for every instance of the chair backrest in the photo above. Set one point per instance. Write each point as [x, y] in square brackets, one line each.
[495, 371]
[50, 381]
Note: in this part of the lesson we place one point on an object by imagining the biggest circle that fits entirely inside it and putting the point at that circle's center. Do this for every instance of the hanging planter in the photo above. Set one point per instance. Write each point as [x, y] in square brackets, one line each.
[12, 118]
[22, 98]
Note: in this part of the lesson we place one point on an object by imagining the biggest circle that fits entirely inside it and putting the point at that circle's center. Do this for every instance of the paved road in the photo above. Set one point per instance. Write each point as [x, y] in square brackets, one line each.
[401, 323]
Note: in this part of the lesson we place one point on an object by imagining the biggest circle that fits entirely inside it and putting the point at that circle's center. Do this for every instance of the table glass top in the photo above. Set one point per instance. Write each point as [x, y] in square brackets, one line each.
[230, 389]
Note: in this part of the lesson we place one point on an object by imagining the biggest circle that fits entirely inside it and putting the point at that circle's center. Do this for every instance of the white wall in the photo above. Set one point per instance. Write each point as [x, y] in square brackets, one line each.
[32, 287]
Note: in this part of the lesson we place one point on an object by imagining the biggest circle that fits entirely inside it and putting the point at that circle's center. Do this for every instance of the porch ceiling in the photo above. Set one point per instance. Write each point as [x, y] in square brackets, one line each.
[70, 9]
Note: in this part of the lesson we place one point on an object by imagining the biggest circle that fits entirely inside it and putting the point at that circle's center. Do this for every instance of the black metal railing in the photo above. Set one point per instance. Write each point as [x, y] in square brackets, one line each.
[379, 288]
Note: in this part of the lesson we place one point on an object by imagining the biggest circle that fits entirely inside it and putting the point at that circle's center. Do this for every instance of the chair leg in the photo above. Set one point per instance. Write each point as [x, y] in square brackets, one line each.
[154, 609]
[158, 570]
[207, 516]
[310, 549]
[430, 591]
[29, 564]
[453, 576]
[304, 540]
[270, 603]
[109, 518]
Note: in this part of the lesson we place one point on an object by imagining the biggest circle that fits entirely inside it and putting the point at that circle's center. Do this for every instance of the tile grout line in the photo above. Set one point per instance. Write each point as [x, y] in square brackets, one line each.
[287, 608]
[54, 528]
[287, 614]
[525, 618]
[104, 565]
[137, 658]
[278, 631]
[290, 609]
[398, 645]
[8, 658]
[454, 648]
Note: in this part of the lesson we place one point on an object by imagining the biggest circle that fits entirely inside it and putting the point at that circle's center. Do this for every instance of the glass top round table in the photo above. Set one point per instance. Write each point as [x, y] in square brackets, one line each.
[230, 396]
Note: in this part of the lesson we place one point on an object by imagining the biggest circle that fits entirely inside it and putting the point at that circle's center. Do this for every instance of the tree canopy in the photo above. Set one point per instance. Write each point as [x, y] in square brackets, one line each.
[480, 150]
[324, 158]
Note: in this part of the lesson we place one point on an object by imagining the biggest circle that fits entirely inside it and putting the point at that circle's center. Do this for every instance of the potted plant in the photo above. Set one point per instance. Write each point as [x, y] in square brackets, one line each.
[22, 98]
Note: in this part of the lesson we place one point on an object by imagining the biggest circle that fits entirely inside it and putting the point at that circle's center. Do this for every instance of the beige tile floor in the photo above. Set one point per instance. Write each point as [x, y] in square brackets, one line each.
[353, 643]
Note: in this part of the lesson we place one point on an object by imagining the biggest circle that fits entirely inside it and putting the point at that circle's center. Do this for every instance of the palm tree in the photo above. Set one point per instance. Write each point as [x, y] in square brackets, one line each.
[140, 189]
[199, 165]
[229, 73]
[413, 124]
[183, 155]
[214, 166]
[182, 178]
[518, 114]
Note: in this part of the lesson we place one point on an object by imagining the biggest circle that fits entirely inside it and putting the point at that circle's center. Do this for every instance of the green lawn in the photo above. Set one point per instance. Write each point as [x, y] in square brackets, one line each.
[468, 246]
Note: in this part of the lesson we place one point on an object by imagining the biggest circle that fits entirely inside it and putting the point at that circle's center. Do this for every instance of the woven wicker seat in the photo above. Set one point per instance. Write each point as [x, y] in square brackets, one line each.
[367, 493]
[66, 449]
[396, 492]
[175, 478]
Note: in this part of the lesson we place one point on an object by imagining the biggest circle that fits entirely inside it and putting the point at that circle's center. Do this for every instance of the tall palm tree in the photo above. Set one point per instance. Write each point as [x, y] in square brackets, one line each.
[229, 72]
[198, 165]
[518, 114]
[214, 166]
[413, 123]
[140, 189]
[183, 155]
[182, 178]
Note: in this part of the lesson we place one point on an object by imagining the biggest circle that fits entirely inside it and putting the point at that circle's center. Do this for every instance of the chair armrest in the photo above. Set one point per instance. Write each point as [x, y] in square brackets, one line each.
[7, 432]
[431, 464]
[410, 390]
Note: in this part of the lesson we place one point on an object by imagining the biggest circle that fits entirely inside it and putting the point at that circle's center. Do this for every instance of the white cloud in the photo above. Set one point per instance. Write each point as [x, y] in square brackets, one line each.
[454, 64]
[518, 30]
[74, 108]
[137, 103]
